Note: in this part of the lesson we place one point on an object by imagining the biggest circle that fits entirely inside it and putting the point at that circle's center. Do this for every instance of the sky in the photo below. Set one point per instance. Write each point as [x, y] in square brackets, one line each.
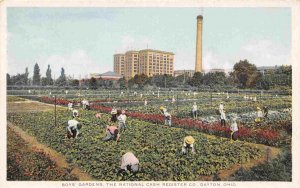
[84, 40]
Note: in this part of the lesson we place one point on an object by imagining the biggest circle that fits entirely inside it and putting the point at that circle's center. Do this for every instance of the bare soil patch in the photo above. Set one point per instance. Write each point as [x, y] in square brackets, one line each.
[29, 106]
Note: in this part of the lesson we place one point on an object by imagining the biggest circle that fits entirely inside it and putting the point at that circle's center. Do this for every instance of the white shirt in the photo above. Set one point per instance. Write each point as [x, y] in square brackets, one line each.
[72, 124]
[70, 105]
[122, 118]
[221, 107]
[234, 127]
[146, 103]
[260, 114]
[223, 116]
[128, 159]
[195, 107]
[167, 114]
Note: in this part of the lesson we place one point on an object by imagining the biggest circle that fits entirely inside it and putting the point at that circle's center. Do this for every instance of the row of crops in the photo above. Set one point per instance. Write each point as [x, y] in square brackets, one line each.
[275, 131]
[157, 147]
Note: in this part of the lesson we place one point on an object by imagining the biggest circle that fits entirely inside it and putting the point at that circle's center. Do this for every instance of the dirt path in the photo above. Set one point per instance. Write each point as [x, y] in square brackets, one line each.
[58, 158]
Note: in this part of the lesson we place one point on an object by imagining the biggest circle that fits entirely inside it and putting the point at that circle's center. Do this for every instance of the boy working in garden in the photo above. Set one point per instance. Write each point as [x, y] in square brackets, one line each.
[234, 130]
[113, 115]
[112, 133]
[259, 117]
[194, 110]
[188, 143]
[223, 118]
[75, 113]
[221, 107]
[73, 128]
[70, 106]
[266, 111]
[167, 116]
[129, 163]
[85, 104]
[122, 121]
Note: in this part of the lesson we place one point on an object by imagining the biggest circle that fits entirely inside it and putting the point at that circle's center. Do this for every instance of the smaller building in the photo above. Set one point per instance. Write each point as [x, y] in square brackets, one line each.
[189, 73]
[107, 76]
[265, 69]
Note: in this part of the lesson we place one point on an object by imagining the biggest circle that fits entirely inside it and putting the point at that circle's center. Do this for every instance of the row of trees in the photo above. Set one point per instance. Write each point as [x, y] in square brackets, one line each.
[37, 79]
[244, 75]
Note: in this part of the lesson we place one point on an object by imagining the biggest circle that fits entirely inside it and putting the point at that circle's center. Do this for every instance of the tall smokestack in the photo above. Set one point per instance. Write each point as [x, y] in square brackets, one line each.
[198, 65]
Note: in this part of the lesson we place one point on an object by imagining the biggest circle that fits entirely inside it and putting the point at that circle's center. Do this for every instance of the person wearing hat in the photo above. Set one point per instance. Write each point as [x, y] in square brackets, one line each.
[122, 121]
[73, 128]
[167, 115]
[221, 107]
[259, 117]
[130, 163]
[223, 118]
[194, 110]
[75, 113]
[234, 130]
[112, 133]
[113, 114]
[188, 143]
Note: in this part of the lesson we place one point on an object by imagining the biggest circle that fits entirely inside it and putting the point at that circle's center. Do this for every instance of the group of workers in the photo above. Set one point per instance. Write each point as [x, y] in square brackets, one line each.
[129, 162]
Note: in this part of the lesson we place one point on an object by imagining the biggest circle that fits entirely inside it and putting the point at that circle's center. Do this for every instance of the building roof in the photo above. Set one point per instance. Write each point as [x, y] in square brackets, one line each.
[132, 52]
[119, 54]
[267, 68]
[110, 73]
[157, 51]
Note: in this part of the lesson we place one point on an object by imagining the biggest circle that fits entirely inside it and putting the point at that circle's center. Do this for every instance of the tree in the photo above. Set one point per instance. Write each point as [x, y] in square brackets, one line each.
[197, 79]
[122, 82]
[140, 80]
[36, 80]
[215, 78]
[8, 79]
[49, 80]
[183, 79]
[245, 74]
[74, 82]
[44, 81]
[93, 83]
[62, 80]
[26, 81]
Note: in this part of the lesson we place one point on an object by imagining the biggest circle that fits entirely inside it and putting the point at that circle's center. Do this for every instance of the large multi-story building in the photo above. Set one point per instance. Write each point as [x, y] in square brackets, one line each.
[119, 64]
[149, 62]
[131, 64]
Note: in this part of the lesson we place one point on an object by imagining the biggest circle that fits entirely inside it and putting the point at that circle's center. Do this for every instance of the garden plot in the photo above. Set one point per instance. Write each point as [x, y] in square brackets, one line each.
[157, 147]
